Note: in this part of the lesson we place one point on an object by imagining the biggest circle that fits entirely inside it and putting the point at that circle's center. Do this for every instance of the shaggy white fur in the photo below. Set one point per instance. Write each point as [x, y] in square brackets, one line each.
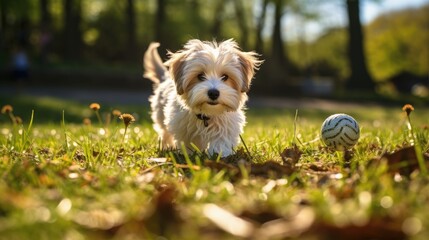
[200, 94]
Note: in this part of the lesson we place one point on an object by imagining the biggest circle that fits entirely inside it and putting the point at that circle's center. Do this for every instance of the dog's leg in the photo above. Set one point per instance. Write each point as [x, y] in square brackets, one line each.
[167, 141]
[221, 146]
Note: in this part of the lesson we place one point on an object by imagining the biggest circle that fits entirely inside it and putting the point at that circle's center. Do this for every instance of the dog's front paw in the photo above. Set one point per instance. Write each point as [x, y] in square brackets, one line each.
[220, 149]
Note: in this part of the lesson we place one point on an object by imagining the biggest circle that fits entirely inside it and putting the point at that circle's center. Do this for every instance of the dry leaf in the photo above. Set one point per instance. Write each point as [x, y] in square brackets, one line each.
[403, 161]
[291, 155]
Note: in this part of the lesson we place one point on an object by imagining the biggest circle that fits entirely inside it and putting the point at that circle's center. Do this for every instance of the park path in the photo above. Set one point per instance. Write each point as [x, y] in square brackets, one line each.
[140, 97]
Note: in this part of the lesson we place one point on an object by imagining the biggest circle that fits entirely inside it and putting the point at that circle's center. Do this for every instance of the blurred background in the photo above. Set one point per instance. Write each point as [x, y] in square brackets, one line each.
[311, 48]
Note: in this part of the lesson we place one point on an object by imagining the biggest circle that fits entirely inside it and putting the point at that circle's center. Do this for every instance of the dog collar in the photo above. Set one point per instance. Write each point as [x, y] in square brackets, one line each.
[204, 118]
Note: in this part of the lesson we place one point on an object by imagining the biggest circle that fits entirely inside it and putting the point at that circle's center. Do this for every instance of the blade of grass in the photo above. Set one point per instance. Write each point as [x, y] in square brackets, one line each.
[63, 127]
[25, 134]
[187, 159]
[245, 147]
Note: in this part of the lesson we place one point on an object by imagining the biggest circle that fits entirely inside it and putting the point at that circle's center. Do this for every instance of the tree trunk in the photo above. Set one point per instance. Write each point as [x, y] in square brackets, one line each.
[160, 21]
[3, 24]
[45, 16]
[218, 18]
[72, 33]
[45, 29]
[131, 28]
[278, 50]
[242, 24]
[198, 23]
[259, 45]
[360, 77]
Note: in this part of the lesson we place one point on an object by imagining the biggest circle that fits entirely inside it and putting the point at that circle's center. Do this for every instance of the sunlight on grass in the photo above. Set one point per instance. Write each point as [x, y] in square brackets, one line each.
[62, 179]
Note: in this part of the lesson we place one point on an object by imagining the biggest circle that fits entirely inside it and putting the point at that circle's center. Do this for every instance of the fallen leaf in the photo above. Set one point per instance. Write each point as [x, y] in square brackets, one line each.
[291, 155]
[403, 161]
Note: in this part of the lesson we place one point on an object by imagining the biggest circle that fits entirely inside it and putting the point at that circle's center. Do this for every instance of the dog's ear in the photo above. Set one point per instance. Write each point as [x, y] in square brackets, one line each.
[249, 64]
[176, 66]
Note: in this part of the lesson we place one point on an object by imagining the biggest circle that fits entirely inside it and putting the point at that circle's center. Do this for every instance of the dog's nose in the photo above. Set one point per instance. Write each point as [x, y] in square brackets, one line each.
[213, 94]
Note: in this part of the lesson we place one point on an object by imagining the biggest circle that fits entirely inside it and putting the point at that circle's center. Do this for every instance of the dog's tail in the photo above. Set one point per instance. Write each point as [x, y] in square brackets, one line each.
[152, 63]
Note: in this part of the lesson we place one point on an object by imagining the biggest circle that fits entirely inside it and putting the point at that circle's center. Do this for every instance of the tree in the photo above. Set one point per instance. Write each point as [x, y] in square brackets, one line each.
[3, 24]
[360, 78]
[241, 19]
[398, 42]
[259, 45]
[160, 20]
[45, 15]
[45, 29]
[278, 51]
[72, 33]
[131, 27]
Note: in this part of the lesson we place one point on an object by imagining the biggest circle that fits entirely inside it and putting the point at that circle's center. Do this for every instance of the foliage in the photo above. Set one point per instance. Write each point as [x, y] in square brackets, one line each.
[398, 42]
[100, 181]
[395, 42]
[327, 56]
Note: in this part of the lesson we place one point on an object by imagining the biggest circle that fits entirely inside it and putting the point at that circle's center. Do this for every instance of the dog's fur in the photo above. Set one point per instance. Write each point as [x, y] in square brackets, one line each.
[200, 93]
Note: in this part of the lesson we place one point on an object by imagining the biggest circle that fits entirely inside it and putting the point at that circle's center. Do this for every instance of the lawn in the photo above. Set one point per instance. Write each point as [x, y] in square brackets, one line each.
[63, 179]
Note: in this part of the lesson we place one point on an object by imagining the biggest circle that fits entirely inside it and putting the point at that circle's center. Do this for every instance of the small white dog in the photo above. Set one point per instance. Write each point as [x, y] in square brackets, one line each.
[200, 93]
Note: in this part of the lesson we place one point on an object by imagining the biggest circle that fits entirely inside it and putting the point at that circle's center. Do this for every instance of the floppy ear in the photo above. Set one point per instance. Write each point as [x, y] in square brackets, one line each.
[176, 66]
[249, 64]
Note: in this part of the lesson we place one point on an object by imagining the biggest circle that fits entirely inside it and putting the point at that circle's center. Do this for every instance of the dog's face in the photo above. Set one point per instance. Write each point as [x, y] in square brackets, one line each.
[212, 78]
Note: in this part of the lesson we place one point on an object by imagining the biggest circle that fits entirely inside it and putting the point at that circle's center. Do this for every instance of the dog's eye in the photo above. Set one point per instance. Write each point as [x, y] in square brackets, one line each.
[224, 77]
[201, 77]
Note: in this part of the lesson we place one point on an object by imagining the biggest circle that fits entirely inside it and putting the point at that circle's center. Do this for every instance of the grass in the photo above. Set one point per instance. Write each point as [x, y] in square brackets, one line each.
[61, 179]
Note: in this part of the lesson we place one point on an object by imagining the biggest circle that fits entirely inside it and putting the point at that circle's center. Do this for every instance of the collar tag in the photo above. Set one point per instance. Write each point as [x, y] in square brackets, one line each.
[204, 118]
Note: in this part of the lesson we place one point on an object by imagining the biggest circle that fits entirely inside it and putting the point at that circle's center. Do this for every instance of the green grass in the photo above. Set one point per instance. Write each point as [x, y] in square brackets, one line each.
[65, 180]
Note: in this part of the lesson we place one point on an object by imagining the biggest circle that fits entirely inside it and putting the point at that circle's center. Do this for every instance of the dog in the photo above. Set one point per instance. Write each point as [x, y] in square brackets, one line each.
[200, 94]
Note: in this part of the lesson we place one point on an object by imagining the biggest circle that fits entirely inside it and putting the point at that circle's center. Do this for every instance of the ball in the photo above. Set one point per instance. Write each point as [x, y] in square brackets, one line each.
[340, 131]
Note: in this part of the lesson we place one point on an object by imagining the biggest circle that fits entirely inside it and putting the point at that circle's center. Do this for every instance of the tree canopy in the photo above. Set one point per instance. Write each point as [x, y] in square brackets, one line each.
[118, 31]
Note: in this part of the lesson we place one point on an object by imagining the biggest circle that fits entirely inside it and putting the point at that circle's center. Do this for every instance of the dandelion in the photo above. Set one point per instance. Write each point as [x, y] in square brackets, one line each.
[8, 109]
[96, 107]
[127, 119]
[408, 108]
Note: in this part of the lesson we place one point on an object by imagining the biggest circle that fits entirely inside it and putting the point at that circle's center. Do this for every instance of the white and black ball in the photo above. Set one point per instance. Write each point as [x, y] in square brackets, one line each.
[340, 131]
